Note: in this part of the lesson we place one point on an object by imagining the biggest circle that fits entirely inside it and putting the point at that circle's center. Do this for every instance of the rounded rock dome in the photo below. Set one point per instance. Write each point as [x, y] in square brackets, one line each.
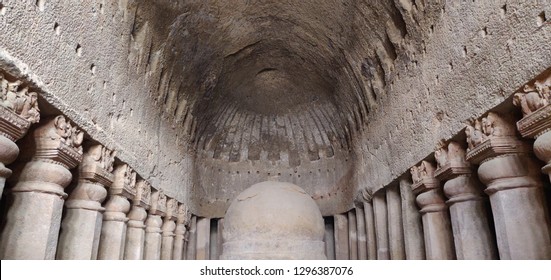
[273, 220]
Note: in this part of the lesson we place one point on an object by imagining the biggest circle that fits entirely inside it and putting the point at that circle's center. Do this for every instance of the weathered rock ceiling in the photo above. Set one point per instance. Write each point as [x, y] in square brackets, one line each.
[246, 77]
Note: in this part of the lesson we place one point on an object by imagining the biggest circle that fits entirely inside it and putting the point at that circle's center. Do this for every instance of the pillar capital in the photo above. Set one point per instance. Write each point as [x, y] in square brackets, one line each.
[427, 188]
[124, 182]
[171, 209]
[423, 177]
[58, 141]
[183, 214]
[535, 102]
[97, 165]
[143, 194]
[18, 108]
[158, 203]
[451, 162]
[492, 136]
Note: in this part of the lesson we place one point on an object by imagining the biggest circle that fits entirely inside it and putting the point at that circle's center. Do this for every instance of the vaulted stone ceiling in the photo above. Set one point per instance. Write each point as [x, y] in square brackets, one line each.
[271, 75]
[268, 87]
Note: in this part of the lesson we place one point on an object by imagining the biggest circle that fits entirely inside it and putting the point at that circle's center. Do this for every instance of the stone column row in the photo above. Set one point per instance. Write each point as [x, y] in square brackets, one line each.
[495, 169]
[35, 228]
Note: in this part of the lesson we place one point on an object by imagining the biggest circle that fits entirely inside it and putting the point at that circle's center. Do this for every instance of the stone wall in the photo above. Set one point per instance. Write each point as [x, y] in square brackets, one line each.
[87, 63]
[475, 55]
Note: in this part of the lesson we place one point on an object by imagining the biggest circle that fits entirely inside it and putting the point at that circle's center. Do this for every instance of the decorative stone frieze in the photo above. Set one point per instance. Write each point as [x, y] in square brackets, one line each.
[471, 231]
[513, 183]
[182, 219]
[34, 218]
[135, 232]
[113, 231]
[18, 110]
[436, 221]
[169, 225]
[81, 226]
[153, 223]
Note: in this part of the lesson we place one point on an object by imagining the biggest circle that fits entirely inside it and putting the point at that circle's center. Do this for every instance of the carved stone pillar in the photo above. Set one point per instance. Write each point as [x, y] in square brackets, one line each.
[414, 241]
[471, 231]
[341, 237]
[113, 230]
[513, 183]
[192, 239]
[135, 231]
[169, 225]
[436, 220]
[34, 218]
[352, 235]
[180, 232]
[535, 103]
[81, 226]
[18, 110]
[360, 225]
[366, 197]
[153, 237]
[395, 229]
[203, 239]
[381, 224]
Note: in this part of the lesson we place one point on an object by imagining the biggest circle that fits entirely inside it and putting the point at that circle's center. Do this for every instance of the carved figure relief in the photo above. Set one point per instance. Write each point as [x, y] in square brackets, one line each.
[63, 132]
[532, 98]
[20, 101]
[474, 133]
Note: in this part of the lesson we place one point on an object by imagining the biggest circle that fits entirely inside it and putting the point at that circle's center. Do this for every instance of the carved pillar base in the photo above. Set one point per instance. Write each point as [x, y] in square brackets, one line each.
[80, 232]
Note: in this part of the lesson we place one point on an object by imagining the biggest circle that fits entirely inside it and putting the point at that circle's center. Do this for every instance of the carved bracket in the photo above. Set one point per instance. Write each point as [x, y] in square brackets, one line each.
[423, 178]
[451, 161]
[158, 203]
[97, 165]
[143, 194]
[125, 182]
[60, 142]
